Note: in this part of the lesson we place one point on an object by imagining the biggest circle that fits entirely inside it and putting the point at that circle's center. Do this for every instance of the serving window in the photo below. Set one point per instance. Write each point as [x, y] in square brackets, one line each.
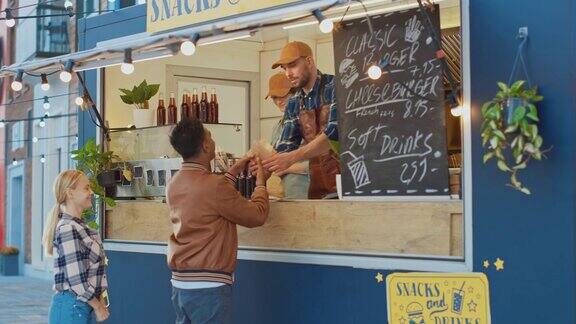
[383, 229]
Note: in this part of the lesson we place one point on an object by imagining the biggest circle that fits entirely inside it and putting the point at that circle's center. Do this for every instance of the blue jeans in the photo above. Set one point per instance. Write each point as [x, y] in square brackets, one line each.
[66, 309]
[203, 306]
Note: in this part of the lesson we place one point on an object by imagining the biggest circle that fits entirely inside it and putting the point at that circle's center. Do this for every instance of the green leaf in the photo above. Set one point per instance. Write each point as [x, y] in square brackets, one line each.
[500, 134]
[511, 129]
[518, 114]
[502, 86]
[516, 86]
[502, 166]
[486, 106]
[520, 166]
[525, 190]
[498, 153]
[152, 90]
[519, 157]
[127, 99]
[488, 156]
[538, 141]
[537, 155]
[126, 92]
[515, 181]
[494, 142]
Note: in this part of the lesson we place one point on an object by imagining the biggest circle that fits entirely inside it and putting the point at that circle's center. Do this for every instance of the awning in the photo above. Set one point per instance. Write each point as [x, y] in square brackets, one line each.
[145, 46]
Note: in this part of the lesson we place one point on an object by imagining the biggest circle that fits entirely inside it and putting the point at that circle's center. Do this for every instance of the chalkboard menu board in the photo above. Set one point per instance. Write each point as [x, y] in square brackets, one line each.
[392, 130]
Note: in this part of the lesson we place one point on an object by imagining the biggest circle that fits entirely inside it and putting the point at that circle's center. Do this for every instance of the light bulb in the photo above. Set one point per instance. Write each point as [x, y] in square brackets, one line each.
[16, 85]
[45, 85]
[42, 123]
[79, 101]
[68, 4]
[9, 18]
[374, 72]
[127, 68]
[46, 105]
[65, 76]
[188, 48]
[2, 124]
[457, 111]
[14, 162]
[42, 159]
[35, 139]
[326, 26]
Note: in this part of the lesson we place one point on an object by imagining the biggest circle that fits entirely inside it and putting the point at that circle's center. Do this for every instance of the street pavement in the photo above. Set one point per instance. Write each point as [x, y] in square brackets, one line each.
[24, 300]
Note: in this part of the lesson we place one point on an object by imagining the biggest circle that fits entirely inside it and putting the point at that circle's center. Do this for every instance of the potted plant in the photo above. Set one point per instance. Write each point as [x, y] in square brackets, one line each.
[139, 97]
[9, 261]
[99, 167]
[510, 130]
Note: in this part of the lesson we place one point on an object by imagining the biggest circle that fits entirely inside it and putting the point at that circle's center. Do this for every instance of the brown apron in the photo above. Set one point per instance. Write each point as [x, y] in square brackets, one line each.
[323, 168]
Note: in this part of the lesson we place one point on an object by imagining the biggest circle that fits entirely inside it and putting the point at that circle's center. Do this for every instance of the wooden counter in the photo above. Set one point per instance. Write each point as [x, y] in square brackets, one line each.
[422, 228]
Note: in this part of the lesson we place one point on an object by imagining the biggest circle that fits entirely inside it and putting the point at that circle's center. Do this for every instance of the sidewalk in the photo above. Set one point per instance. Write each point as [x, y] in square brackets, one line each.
[24, 300]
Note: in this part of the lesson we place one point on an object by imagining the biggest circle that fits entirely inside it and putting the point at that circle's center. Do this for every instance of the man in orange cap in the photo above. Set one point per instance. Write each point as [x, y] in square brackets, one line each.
[310, 119]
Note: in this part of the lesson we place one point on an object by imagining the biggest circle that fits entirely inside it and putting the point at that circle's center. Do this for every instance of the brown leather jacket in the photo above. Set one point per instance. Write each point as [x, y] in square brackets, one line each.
[204, 210]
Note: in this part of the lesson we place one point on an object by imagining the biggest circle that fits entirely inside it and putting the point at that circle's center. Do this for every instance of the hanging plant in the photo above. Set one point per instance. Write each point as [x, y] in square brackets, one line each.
[510, 130]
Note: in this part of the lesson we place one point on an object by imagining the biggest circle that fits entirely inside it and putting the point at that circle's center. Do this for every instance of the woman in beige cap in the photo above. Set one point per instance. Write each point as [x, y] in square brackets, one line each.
[295, 179]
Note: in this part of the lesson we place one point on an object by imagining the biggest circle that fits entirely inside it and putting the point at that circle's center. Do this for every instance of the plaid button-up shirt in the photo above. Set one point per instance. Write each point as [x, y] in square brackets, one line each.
[79, 260]
[291, 137]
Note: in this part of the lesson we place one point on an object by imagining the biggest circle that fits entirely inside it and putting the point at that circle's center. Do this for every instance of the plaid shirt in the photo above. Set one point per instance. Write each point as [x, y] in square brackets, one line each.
[79, 259]
[291, 135]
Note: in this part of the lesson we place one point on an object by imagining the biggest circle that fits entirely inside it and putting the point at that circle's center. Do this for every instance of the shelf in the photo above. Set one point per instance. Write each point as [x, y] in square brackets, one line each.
[132, 129]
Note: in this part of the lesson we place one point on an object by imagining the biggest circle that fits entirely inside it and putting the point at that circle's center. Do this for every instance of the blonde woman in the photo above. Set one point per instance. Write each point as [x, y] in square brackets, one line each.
[79, 260]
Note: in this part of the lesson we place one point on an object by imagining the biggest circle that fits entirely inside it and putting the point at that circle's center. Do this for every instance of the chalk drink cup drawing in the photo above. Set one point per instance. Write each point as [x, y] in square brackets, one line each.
[457, 299]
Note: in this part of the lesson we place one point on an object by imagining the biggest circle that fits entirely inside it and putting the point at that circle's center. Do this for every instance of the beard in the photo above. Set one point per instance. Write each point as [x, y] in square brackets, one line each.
[303, 81]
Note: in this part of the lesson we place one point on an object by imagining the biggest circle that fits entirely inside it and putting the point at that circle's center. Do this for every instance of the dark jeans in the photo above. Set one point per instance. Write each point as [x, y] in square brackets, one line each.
[203, 306]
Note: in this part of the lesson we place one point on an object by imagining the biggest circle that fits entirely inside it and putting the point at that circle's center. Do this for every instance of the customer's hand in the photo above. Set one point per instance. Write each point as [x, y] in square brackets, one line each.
[102, 312]
[262, 174]
[240, 165]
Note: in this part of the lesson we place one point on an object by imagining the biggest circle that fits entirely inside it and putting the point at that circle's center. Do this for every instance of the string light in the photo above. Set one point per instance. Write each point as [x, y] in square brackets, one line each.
[14, 162]
[79, 101]
[127, 66]
[2, 124]
[375, 71]
[68, 4]
[43, 159]
[10, 21]
[326, 25]
[46, 103]
[188, 47]
[35, 139]
[45, 85]
[42, 123]
[17, 83]
[66, 74]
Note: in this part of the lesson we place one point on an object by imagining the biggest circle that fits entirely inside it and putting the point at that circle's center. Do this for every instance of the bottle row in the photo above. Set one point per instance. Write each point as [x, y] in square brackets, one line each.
[246, 183]
[191, 107]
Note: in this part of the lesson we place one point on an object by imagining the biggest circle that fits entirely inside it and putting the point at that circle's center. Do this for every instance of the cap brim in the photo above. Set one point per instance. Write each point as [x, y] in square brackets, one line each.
[278, 93]
[285, 60]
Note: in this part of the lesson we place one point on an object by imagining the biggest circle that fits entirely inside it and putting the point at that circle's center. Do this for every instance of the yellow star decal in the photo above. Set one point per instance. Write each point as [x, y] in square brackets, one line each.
[472, 306]
[486, 264]
[499, 264]
[379, 277]
[470, 290]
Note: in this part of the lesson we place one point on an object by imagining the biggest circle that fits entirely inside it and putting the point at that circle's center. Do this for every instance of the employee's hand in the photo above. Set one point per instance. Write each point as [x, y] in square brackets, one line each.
[240, 165]
[262, 174]
[280, 162]
[102, 313]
